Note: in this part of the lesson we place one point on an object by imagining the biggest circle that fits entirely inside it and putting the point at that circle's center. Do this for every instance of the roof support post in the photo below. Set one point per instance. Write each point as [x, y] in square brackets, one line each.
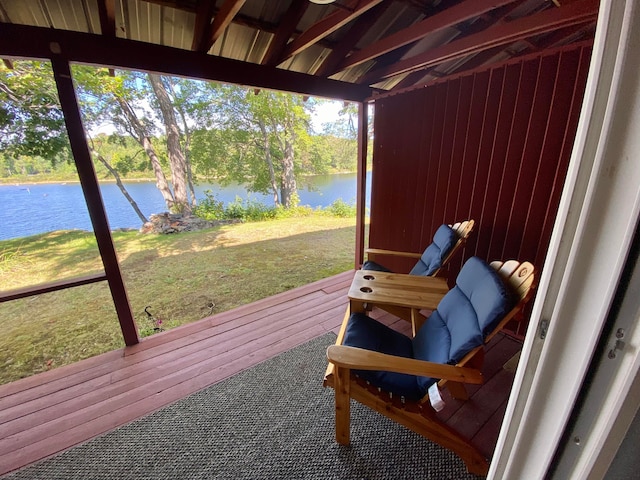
[92, 195]
[361, 181]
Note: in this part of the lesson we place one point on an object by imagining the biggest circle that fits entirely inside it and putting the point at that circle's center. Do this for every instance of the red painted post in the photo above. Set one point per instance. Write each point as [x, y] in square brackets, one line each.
[91, 190]
[361, 182]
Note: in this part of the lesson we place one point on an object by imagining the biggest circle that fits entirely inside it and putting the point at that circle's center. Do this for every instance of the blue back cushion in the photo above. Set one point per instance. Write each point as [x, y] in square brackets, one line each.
[486, 292]
[443, 241]
[466, 314]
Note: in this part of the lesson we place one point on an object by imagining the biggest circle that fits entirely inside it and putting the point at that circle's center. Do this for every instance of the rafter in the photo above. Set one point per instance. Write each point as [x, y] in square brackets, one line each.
[107, 13]
[327, 26]
[578, 12]
[444, 19]
[285, 31]
[495, 17]
[223, 18]
[204, 13]
[349, 41]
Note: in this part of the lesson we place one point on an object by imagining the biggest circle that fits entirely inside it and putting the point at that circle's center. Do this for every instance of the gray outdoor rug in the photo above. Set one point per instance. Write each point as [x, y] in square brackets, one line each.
[273, 421]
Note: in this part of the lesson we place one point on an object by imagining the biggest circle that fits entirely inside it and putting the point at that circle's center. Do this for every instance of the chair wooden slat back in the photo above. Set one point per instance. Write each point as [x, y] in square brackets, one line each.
[518, 276]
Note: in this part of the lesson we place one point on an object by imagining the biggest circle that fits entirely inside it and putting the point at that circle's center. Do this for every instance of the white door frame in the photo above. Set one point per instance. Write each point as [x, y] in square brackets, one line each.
[597, 217]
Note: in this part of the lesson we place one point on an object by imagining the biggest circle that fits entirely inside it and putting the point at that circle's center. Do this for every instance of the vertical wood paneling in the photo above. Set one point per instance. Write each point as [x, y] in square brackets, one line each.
[420, 204]
[483, 158]
[446, 153]
[501, 137]
[492, 145]
[432, 160]
[531, 173]
[520, 125]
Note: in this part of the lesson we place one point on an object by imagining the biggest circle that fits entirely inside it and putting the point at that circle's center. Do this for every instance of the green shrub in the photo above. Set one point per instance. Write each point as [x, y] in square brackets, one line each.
[339, 208]
[247, 210]
[210, 208]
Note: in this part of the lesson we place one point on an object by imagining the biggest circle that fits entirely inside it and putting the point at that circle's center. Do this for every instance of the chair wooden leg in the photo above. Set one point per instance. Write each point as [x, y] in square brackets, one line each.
[458, 390]
[417, 320]
[343, 405]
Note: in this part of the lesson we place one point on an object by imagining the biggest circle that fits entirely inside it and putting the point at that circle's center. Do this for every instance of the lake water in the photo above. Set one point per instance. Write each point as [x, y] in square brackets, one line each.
[28, 209]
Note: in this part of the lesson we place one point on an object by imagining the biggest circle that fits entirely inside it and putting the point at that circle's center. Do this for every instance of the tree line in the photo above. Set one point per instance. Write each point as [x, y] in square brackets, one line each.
[180, 131]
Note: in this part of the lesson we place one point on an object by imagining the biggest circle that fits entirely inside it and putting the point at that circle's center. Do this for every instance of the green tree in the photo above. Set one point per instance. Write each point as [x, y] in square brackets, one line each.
[31, 120]
[110, 99]
[261, 131]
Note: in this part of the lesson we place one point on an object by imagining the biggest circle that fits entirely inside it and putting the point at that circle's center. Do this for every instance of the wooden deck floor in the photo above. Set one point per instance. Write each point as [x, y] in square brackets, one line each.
[50, 412]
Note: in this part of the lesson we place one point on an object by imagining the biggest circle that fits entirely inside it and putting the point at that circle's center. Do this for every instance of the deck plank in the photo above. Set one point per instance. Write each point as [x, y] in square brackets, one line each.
[55, 410]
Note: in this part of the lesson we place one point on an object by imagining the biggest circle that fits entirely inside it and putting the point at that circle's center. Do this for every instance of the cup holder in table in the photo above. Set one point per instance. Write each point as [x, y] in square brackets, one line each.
[368, 277]
[366, 289]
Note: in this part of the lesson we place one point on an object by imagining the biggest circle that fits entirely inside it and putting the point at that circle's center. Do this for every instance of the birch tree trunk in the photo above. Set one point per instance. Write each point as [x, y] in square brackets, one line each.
[121, 186]
[186, 147]
[177, 161]
[140, 134]
[286, 139]
[269, 161]
[288, 182]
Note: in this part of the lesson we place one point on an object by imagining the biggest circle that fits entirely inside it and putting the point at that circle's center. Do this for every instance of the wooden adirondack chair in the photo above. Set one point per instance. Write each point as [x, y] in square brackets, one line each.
[446, 241]
[369, 359]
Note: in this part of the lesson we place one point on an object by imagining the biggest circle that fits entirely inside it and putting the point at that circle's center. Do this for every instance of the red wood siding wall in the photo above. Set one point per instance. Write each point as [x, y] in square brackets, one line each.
[492, 145]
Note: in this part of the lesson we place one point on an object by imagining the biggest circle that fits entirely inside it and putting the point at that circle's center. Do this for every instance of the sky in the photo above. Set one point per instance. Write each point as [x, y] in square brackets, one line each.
[325, 112]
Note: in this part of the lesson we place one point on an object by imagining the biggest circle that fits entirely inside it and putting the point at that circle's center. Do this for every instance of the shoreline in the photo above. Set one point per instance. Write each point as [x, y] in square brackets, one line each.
[62, 182]
[14, 182]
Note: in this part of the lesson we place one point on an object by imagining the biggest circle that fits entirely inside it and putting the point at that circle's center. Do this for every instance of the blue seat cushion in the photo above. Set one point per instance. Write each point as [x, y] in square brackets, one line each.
[431, 260]
[371, 265]
[365, 332]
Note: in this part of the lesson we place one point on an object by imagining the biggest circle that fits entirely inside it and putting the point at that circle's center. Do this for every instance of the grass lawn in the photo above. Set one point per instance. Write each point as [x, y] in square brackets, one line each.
[182, 278]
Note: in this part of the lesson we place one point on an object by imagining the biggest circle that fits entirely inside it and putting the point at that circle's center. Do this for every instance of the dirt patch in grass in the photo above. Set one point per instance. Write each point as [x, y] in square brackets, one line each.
[181, 278]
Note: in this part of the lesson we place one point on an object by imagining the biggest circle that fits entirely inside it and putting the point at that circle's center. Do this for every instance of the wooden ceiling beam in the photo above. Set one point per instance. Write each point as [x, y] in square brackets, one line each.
[496, 17]
[560, 37]
[447, 18]
[204, 13]
[578, 12]
[107, 14]
[285, 31]
[350, 40]
[38, 42]
[327, 26]
[223, 18]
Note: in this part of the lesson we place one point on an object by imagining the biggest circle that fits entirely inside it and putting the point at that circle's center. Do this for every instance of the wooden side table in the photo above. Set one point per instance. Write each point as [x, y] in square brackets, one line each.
[400, 294]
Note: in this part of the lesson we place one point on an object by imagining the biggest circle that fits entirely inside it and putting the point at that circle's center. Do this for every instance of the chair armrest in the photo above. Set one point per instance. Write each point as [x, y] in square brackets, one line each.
[361, 359]
[380, 251]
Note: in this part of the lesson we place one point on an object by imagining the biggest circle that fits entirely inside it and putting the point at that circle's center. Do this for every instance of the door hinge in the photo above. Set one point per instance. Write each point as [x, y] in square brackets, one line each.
[619, 345]
[544, 326]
